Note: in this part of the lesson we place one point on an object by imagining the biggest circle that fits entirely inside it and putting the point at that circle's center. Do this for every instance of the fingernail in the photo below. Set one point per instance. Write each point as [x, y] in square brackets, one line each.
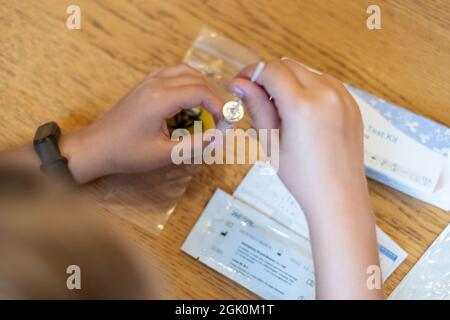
[238, 92]
[223, 126]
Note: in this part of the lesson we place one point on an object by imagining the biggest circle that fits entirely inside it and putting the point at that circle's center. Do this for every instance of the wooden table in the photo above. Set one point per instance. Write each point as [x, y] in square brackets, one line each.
[48, 72]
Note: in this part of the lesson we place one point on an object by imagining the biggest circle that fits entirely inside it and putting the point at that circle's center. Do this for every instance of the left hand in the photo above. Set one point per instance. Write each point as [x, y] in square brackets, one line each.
[133, 136]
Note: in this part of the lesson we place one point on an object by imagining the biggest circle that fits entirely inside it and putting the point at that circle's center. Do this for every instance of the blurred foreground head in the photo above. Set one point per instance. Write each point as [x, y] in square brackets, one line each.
[43, 233]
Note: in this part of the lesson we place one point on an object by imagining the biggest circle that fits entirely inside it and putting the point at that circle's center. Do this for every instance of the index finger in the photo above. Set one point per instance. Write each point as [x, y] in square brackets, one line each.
[276, 79]
[190, 96]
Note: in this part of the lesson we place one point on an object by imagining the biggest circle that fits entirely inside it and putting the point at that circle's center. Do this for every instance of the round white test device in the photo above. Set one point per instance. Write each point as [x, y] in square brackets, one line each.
[233, 111]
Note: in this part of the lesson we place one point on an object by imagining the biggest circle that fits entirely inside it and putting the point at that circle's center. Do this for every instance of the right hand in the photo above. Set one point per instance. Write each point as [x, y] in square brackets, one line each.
[322, 164]
[321, 147]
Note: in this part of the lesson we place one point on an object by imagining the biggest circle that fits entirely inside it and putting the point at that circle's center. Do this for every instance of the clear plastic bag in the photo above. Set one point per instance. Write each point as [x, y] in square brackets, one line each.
[429, 279]
[219, 58]
[145, 199]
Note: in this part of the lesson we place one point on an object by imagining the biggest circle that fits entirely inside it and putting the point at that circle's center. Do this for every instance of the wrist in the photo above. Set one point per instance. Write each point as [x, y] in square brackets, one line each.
[331, 197]
[82, 155]
[340, 204]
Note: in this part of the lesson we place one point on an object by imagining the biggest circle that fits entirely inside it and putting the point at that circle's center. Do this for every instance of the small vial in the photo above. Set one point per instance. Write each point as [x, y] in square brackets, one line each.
[233, 111]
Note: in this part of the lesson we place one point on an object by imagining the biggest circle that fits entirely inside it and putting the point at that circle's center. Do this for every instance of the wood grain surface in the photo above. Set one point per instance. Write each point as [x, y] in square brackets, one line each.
[48, 72]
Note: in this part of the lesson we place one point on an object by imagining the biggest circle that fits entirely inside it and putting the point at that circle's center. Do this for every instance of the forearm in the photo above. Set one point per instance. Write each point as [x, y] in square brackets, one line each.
[343, 239]
[82, 161]
[24, 157]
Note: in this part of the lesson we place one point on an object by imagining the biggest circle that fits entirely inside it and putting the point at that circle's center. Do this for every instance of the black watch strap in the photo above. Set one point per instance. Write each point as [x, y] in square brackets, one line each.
[46, 146]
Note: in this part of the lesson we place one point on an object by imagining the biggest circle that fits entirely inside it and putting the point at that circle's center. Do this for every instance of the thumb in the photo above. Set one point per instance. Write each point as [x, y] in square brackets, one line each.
[262, 111]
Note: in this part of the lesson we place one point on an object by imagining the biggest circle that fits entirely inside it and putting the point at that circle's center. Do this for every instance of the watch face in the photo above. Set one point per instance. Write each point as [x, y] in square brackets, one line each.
[46, 143]
[48, 130]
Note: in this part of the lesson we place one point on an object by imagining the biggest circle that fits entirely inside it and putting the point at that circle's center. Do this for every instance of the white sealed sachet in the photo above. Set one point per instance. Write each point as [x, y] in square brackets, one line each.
[268, 194]
[261, 254]
[390, 253]
[252, 249]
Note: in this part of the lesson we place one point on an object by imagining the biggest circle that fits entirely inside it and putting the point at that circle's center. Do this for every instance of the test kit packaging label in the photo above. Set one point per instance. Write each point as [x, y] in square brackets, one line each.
[404, 150]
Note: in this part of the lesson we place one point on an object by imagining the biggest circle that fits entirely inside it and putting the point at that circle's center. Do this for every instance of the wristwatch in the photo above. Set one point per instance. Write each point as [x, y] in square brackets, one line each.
[46, 146]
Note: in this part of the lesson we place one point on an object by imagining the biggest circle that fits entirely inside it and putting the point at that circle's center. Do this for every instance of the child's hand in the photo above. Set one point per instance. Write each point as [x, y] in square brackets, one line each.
[321, 145]
[321, 162]
[133, 136]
